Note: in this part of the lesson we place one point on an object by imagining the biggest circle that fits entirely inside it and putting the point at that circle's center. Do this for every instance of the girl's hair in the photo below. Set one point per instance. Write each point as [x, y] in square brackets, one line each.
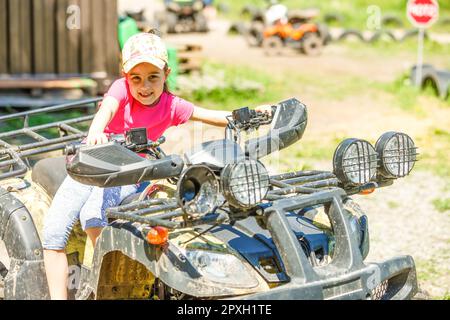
[157, 32]
[166, 86]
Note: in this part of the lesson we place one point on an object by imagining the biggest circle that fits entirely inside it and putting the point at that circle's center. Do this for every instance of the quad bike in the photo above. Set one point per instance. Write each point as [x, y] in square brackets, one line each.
[213, 223]
[137, 17]
[303, 37]
[182, 16]
[260, 19]
[277, 16]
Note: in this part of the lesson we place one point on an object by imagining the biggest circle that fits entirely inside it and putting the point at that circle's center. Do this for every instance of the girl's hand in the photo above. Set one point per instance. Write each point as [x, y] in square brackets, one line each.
[104, 115]
[265, 108]
[96, 138]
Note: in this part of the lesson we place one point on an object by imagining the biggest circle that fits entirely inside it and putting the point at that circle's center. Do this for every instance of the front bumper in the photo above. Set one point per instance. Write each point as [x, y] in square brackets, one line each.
[347, 276]
[394, 279]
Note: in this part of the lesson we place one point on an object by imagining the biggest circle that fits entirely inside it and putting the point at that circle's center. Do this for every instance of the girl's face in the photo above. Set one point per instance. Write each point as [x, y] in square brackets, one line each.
[146, 82]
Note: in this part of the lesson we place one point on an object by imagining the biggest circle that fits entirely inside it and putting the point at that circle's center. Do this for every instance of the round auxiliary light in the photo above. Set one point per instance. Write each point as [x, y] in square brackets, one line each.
[198, 190]
[355, 162]
[245, 183]
[397, 153]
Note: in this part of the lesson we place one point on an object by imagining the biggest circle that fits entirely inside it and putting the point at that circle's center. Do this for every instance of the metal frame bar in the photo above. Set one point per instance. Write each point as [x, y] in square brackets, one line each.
[301, 182]
[13, 156]
[157, 212]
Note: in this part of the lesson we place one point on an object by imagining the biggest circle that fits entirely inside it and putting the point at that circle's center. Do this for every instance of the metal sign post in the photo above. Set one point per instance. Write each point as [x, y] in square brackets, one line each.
[420, 57]
[422, 14]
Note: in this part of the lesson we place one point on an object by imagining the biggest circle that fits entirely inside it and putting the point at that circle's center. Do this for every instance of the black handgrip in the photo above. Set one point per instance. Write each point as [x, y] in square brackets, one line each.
[158, 142]
[245, 118]
[72, 149]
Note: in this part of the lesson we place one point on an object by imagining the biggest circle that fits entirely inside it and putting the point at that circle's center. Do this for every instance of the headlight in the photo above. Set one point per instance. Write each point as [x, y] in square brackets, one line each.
[198, 190]
[355, 162]
[397, 154]
[245, 183]
[222, 268]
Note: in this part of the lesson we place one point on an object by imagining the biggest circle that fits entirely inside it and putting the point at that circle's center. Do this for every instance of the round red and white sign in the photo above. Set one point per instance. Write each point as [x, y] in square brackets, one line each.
[422, 13]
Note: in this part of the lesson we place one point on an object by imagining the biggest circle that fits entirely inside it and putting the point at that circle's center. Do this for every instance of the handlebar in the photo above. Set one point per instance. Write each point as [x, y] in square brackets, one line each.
[124, 140]
[246, 119]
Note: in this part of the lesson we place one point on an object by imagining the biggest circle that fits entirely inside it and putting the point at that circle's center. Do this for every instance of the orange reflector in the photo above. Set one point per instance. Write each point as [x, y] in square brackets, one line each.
[157, 235]
[367, 191]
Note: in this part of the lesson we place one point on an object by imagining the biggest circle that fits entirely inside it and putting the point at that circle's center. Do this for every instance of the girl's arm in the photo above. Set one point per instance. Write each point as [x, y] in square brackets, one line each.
[218, 118]
[104, 115]
[212, 117]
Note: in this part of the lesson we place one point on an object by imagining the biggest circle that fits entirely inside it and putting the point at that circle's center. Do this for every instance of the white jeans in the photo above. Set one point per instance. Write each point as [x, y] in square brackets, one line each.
[74, 201]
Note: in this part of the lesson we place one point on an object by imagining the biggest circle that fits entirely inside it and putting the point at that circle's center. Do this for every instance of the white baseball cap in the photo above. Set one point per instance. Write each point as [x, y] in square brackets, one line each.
[144, 47]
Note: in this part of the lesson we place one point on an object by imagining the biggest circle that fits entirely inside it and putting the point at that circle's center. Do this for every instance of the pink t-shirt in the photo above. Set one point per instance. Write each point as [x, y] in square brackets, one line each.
[169, 111]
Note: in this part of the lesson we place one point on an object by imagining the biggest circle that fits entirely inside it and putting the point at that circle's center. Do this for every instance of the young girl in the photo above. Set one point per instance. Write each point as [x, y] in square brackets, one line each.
[140, 99]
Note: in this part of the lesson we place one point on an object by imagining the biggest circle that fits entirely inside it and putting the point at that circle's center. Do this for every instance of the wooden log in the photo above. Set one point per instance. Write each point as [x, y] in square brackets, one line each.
[25, 37]
[68, 36]
[75, 83]
[4, 37]
[49, 49]
[14, 39]
[43, 36]
[86, 37]
[38, 36]
[187, 67]
[189, 55]
[61, 37]
[111, 46]
[188, 47]
[98, 48]
[73, 25]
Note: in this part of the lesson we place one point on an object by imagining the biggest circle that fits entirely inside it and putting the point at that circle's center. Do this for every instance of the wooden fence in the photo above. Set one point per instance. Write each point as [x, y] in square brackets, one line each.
[58, 39]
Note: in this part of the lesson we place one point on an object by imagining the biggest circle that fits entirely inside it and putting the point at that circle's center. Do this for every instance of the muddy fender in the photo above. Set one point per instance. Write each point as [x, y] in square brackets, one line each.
[26, 274]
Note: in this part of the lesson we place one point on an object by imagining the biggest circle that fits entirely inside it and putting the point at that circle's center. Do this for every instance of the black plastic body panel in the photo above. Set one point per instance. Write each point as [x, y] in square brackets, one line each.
[26, 277]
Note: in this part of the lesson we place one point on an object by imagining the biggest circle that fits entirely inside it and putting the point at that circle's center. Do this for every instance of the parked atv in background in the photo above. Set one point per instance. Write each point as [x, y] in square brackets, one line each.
[261, 18]
[278, 16]
[213, 223]
[305, 37]
[182, 16]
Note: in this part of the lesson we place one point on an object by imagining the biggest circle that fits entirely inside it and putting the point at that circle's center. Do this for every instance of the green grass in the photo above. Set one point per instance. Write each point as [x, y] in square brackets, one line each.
[431, 271]
[442, 205]
[232, 96]
[393, 204]
[434, 52]
[407, 96]
[434, 145]
[354, 12]
[39, 119]
[427, 270]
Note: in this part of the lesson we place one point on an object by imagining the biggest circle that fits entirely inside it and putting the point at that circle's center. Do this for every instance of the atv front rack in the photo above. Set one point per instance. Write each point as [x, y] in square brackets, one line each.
[300, 182]
[14, 152]
[160, 212]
